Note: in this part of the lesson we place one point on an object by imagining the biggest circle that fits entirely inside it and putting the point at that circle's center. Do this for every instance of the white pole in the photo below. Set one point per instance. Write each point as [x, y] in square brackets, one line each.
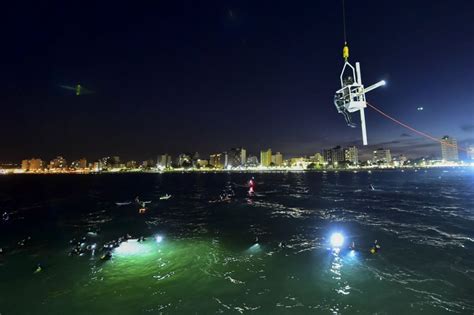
[362, 125]
[359, 75]
[362, 113]
[374, 86]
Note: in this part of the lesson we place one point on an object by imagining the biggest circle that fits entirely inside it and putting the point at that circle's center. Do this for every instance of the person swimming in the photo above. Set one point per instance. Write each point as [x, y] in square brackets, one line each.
[352, 247]
[252, 186]
[371, 187]
[375, 247]
[39, 268]
[5, 216]
[106, 256]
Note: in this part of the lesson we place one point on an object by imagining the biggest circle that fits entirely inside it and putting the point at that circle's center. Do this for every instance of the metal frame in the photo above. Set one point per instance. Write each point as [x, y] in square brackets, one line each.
[355, 94]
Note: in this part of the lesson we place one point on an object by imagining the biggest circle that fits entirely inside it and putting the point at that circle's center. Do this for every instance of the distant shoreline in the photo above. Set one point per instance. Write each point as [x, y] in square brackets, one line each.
[216, 171]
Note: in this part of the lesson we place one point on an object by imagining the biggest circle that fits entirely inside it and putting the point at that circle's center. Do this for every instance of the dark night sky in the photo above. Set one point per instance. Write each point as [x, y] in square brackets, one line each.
[205, 76]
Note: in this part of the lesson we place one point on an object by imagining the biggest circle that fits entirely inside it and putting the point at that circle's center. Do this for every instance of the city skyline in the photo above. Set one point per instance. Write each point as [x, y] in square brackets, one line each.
[236, 158]
[185, 77]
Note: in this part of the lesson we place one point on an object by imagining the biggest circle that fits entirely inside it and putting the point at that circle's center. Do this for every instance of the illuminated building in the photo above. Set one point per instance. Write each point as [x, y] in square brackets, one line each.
[301, 162]
[79, 164]
[148, 163]
[266, 157]
[165, 161]
[252, 161]
[131, 164]
[59, 163]
[202, 163]
[184, 160]
[36, 164]
[317, 159]
[25, 165]
[470, 152]
[277, 159]
[216, 160]
[449, 149]
[399, 160]
[105, 162]
[351, 155]
[334, 155]
[382, 156]
[115, 162]
[236, 157]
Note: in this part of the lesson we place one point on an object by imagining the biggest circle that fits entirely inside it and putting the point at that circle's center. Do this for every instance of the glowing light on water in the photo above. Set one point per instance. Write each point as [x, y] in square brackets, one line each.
[254, 248]
[158, 238]
[133, 247]
[337, 240]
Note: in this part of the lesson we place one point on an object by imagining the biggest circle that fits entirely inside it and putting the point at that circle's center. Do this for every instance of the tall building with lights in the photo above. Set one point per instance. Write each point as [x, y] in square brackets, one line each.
[184, 160]
[449, 149]
[58, 163]
[382, 156]
[79, 164]
[236, 157]
[216, 160]
[470, 153]
[351, 155]
[165, 161]
[36, 164]
[277, 159]
[252, 161]
[334, 155]
[25, 165]
[266, 157]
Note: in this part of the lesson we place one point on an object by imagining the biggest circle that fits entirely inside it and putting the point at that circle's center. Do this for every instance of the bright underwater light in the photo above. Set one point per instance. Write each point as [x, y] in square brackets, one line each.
[337, 240]
[132, 247]
[158, 238]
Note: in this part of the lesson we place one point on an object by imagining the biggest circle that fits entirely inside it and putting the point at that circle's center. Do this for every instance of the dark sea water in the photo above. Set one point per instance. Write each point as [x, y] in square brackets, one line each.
[202, 257]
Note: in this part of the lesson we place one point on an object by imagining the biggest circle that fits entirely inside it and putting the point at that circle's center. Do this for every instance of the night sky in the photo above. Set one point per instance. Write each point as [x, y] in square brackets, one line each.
[185, 76]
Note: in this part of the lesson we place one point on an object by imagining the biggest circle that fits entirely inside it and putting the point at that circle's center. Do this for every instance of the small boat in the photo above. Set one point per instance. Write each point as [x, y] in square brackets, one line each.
[123, 203]
[165, 197]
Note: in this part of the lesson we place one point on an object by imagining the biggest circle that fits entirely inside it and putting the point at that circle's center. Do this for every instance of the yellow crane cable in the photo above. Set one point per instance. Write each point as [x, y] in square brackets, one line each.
[345, 50]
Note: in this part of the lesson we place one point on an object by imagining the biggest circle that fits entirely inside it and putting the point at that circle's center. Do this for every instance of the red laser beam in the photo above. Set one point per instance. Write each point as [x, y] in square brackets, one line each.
[421, 133]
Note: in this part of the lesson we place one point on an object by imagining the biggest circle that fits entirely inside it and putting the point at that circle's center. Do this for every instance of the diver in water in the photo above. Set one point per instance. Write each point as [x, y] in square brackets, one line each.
[353, 246]
[375, 247]
[39, 268]
[371, 187]
[252, 186]
[5, 216]
[106, 256]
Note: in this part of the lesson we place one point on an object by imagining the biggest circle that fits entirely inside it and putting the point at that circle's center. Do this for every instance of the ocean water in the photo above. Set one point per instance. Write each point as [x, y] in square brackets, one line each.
[266, 254]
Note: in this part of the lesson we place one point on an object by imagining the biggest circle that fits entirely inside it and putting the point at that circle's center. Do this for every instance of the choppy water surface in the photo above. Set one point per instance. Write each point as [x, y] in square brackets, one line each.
[202, 257]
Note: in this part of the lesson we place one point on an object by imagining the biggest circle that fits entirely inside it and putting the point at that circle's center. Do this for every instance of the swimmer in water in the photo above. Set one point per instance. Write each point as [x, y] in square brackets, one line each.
[375, 247]
[39, 268]
[252, 186]
[106, 256]
[352, 247]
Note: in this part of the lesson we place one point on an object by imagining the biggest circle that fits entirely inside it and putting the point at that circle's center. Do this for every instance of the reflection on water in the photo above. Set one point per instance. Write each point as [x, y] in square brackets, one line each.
[262, 254]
